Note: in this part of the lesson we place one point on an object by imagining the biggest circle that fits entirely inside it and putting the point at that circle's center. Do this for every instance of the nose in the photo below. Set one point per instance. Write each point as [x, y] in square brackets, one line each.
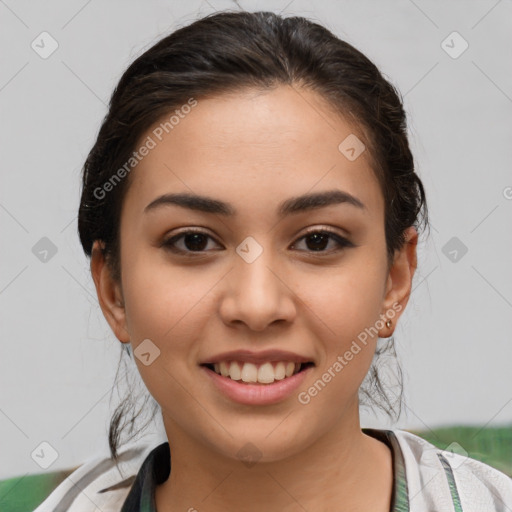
[257, 294]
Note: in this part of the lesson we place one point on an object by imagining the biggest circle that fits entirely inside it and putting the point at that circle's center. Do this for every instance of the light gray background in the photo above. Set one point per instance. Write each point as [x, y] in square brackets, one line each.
[58, 356]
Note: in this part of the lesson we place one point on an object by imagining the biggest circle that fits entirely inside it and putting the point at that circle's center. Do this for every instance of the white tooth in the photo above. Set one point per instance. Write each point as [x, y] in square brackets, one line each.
[280, 371]
[266, 373]
[224, 370]
[216, 368]
[249, 372]
[234, 371]
[290, 367]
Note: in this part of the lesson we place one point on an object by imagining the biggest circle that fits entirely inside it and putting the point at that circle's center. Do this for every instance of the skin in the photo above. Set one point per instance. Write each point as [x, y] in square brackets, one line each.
[254, 149]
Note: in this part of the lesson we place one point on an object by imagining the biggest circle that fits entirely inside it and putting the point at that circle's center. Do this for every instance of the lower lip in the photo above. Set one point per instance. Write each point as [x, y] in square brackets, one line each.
[257, 394]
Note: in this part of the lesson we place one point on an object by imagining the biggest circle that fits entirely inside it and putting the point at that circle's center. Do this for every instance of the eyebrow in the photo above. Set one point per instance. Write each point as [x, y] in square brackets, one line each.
[292, 205]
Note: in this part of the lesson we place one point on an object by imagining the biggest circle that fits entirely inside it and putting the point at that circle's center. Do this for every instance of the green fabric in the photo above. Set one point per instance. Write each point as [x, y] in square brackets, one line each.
[491, 445]
[451, 482]
[25, 493]
[400, 498]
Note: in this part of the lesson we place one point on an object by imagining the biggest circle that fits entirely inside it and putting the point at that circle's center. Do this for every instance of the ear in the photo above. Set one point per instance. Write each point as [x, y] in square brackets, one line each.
[399, 282]
[110, 294]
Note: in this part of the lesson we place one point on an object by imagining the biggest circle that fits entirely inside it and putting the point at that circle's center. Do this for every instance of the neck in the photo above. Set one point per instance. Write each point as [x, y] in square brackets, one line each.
[345, 469]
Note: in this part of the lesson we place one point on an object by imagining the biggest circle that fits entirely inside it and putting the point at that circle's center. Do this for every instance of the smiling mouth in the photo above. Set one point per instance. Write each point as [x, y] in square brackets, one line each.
[250, 373]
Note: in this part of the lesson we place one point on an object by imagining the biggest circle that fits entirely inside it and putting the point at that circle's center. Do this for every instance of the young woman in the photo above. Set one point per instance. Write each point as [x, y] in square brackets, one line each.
[251, 210]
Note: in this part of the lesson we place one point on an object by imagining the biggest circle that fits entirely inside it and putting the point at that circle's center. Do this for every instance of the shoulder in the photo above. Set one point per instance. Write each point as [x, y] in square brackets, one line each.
[97, 484]
[445, 478]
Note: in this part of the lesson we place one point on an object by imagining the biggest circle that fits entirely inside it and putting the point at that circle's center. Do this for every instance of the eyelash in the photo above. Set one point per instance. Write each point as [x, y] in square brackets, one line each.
[341, 241]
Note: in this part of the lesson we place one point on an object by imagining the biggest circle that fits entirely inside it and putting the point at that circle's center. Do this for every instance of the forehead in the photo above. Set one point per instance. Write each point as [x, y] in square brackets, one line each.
[252, 145]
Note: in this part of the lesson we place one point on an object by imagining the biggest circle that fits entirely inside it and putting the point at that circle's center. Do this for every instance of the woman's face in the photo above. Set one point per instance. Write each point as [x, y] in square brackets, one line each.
[253, 295]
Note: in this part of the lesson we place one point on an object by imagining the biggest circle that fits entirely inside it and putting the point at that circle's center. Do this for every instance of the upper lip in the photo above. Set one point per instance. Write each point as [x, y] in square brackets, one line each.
[248, 356]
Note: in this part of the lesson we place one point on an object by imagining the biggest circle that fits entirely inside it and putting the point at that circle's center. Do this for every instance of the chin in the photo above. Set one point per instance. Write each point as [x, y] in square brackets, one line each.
[263, 443]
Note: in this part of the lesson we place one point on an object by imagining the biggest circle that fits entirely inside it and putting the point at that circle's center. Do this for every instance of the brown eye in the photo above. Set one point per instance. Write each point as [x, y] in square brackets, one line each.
[190, 242]
[318, 240]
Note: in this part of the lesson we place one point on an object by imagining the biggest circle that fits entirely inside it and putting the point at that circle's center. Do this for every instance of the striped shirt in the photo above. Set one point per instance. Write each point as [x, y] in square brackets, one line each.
[426, 479]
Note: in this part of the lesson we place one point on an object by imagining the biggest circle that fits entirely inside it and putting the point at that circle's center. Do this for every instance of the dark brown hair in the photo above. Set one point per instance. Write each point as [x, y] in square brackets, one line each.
[226, 52]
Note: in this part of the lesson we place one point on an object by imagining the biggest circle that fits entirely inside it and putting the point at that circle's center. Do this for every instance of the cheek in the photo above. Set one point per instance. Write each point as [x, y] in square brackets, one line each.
[345, 301]
[164, 303]
[166, 306]
[346, 307]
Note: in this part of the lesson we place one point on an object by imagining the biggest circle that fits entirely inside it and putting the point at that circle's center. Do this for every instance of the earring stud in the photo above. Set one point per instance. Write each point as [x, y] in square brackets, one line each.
[388, 324]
